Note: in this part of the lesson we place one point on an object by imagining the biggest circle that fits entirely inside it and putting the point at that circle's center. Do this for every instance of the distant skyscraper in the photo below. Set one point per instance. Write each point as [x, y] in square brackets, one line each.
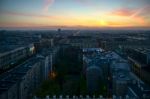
[59, 31]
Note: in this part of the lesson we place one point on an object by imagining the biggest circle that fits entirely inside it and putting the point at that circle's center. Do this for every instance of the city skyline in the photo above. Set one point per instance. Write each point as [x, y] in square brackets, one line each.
[50, 14]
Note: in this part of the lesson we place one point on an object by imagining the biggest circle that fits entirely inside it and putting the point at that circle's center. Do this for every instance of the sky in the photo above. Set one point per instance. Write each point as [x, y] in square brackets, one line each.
[47, 14]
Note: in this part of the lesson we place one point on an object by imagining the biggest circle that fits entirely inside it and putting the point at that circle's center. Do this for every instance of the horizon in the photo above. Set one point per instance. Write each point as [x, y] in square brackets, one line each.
[55, 28]
[75, 14]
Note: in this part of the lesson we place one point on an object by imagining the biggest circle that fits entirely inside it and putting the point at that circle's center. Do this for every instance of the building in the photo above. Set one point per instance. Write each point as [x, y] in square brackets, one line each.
[120, 75]
[82, 41]
[138, 90]
[47, 58]
[92, 68]
[93, 77]
[20, 82]
[10, 58]
[140, 62]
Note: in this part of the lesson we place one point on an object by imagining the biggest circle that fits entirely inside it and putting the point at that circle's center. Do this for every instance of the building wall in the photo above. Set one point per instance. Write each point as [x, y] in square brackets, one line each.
[23, 88]
[93, 77]
[12, 57]
[12, 93]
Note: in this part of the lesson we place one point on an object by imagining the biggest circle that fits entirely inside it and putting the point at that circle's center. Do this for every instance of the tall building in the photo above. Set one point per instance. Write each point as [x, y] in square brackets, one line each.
[140, 62]
[92, 69]
[59, 31]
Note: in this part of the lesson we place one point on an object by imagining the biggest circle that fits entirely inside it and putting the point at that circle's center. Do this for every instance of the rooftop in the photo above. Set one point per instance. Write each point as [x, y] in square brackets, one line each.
[13, 76]
[140, 89]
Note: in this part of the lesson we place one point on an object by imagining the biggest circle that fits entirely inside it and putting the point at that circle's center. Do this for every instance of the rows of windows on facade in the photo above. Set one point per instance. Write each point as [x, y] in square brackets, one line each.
[98, 64]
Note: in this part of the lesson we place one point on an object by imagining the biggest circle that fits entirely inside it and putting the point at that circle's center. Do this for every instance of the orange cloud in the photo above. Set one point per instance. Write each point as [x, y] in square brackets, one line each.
[127, 16]
[123, 12]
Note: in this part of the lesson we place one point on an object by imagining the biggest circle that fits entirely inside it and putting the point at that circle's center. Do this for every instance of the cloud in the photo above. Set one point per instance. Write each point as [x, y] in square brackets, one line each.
[26, 14]
[128, 17]
[123, 12]
[47, 4]
[142, 11]
[87, 3]
[132, 12]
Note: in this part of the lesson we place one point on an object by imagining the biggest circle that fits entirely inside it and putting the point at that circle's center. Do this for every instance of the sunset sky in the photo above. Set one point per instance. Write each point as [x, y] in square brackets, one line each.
[46, 14]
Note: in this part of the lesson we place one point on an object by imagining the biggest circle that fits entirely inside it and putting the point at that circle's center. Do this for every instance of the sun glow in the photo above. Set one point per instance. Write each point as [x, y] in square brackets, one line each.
[49, 13]
[103, 23]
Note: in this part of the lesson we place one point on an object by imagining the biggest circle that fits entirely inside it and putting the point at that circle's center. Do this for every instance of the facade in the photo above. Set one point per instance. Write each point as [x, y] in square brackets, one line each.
[48, 58]
[93, 77]
[47, 61]
[137, 53]
[139, 59]
[92, 68]
[12, 57]
[19, 82]
[120, 72]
